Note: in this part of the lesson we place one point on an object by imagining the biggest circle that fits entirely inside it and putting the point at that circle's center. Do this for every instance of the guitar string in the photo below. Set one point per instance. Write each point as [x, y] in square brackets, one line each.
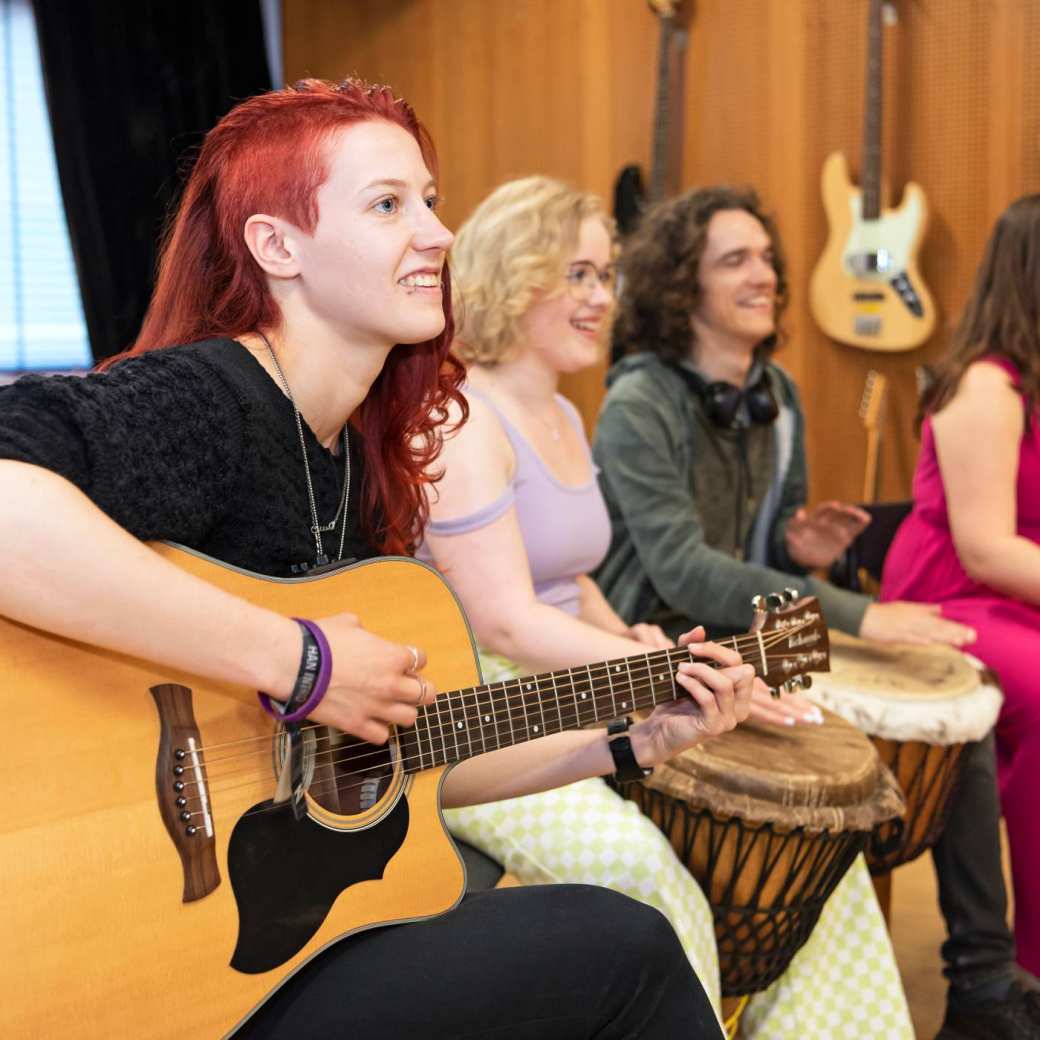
[597, 671]
[567, 721]
[439, 729]
[439, 732]
[438, 726]
[335, 785]
[565, 712]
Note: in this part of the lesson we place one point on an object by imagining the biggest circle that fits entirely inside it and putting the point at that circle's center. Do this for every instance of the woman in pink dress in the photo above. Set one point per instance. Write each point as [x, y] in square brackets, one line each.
[972, 542]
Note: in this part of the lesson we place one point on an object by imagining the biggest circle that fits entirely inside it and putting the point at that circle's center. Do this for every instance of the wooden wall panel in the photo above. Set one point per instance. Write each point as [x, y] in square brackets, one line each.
[564, 87]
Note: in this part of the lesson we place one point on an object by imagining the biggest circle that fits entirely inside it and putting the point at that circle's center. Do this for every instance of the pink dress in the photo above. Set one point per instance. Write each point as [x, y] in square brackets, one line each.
[923, 565]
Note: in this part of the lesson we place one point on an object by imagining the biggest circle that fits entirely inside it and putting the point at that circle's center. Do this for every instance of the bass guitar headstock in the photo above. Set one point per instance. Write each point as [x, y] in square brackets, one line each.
[676, 11]
[787, 640]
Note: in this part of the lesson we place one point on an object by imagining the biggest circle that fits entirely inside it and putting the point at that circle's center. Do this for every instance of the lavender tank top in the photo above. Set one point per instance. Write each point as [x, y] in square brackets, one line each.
[566, 529]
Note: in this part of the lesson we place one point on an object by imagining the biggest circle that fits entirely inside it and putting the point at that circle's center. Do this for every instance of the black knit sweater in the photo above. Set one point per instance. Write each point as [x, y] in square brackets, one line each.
[191, 444]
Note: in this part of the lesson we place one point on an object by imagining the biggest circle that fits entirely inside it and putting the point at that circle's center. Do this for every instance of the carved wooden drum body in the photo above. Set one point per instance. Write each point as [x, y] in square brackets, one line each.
[768, 820]
[921, 706]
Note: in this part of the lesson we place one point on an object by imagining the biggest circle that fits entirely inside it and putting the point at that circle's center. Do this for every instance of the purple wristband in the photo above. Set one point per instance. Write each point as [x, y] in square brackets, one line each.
[321, 682]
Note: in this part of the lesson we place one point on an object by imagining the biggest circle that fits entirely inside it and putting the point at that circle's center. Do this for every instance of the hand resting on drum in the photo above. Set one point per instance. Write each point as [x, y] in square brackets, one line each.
[901, 622]
[719, 699]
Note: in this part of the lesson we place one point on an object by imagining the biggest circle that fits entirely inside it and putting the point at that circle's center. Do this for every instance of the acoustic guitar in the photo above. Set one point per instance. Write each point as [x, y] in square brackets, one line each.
[153, 887]
[866, 290]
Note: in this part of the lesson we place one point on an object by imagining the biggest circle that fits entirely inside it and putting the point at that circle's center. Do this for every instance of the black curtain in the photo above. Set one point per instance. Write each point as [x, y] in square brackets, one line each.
[132, 87]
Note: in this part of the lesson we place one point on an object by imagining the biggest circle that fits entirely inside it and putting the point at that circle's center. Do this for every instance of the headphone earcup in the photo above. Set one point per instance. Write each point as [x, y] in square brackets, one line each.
[761, 404]
[722, 402]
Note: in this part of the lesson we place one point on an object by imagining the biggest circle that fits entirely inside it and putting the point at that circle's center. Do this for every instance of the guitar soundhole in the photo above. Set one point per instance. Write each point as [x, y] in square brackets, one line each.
[346, 776]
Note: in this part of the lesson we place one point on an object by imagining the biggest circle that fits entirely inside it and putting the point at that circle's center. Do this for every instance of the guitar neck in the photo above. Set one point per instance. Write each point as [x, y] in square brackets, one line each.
[871, 175]
[870, 474]
[660, 157]
[469, 722]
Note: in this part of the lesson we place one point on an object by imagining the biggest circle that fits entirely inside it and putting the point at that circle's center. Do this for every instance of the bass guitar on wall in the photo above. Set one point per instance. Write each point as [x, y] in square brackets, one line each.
[866, 290]
[157, 885]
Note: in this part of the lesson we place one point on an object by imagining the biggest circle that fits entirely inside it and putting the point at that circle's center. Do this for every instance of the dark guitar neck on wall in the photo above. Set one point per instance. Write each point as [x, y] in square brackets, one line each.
[630, 192]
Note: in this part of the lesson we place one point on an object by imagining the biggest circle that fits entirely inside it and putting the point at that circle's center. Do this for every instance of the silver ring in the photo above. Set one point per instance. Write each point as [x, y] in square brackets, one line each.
[422, 689]
[415, 659]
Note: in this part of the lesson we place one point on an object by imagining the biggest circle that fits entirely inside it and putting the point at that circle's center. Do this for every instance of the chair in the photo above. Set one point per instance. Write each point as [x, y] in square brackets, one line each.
[867, 553]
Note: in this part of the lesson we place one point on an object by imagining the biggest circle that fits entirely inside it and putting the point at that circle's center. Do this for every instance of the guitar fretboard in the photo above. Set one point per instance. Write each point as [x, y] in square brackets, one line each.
[478, 719]
[871, 176]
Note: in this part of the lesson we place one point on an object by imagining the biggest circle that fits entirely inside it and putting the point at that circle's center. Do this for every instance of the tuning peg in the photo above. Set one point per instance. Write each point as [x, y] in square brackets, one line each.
[791, 594]
[758, 603]
[789, 686]
[775, 600]
[774, 693]
[804, 682]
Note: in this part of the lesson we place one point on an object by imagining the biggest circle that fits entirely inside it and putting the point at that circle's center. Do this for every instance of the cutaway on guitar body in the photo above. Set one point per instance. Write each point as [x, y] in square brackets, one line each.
[152, 888]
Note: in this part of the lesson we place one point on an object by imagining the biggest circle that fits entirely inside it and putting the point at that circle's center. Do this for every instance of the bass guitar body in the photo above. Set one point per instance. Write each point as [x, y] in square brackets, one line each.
[150, 886]
[866, 290]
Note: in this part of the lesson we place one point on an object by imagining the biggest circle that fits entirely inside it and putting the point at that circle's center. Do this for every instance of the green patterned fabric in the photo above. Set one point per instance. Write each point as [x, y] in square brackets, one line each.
[843, 983]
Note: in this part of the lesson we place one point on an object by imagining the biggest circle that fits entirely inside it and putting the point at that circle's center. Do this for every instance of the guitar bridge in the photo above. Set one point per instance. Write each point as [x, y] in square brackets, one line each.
[181, 790]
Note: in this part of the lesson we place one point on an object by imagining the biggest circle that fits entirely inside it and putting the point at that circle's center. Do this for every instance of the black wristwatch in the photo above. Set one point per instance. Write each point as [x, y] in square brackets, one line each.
[626, 768]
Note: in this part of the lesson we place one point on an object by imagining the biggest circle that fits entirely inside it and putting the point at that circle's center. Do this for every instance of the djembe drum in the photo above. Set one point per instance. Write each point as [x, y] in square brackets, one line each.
[921, 706]
[768, 820]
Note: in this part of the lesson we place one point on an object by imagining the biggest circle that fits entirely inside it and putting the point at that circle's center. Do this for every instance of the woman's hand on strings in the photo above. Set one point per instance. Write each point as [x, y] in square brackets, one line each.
[719, 699]
[375, 683]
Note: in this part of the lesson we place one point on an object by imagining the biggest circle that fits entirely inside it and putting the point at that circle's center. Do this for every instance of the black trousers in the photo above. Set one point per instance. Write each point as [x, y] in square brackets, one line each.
[979, 948]
[555, 962]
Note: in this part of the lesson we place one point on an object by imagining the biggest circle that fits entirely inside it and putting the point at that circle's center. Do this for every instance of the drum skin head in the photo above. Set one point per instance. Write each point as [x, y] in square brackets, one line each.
[900, 669]
[905, 691]
[822, 777]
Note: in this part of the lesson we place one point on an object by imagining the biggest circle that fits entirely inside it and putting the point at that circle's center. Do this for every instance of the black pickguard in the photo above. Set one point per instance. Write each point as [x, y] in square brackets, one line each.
[286, 874]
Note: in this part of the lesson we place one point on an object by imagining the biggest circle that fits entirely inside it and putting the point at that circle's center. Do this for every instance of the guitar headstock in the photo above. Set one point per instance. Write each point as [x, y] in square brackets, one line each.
[678, 11]
[788, 639]
[873, 400]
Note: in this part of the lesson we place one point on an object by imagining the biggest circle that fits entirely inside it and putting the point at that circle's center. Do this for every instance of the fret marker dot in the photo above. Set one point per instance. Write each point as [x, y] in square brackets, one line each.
[584, 695]
[617, 668]
[624, 704]
[487, 718]
[458, 725]
[660, 678]
[536, 729]
[530, 686]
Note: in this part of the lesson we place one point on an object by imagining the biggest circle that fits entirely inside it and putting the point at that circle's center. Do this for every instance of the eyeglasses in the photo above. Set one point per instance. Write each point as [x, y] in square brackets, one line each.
[584, 278]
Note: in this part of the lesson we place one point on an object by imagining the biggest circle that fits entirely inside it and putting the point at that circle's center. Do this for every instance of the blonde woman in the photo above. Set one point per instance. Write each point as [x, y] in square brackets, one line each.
[517, 524]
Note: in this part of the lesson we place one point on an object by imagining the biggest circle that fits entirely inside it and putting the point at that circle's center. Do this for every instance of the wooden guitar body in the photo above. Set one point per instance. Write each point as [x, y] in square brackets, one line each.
[164, 872]
[866, 290]
[106, 930]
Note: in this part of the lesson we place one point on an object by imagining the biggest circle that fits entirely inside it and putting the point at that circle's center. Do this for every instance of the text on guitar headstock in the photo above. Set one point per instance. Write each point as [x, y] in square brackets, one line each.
[788, 638]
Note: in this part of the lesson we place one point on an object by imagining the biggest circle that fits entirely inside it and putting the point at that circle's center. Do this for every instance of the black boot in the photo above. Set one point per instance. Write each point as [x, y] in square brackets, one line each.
[1016, 1017]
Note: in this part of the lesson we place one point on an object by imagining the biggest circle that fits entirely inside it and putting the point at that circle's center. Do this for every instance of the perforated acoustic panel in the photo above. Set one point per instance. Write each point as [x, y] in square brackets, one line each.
[564, 87]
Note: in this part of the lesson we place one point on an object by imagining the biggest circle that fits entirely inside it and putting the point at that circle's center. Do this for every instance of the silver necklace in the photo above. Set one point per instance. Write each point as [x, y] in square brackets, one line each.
[316, 527]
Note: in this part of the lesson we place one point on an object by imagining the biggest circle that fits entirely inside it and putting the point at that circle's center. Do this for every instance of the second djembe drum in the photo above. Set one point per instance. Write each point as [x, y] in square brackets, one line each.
[769, 819]
[922, 706]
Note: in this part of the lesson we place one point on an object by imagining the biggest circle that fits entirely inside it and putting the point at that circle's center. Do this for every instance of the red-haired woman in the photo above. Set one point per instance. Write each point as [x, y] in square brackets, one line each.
[972, 542]
[304, 315]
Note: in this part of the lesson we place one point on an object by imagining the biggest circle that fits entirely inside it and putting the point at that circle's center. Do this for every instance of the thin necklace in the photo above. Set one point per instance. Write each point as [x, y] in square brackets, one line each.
[316, 527]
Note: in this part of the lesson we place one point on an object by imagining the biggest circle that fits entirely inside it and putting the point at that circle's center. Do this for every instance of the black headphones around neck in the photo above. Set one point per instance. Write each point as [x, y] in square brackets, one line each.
[732, 407]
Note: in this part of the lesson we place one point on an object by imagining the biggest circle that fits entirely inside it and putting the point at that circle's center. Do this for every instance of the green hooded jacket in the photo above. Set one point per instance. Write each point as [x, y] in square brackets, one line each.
[697, 512]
